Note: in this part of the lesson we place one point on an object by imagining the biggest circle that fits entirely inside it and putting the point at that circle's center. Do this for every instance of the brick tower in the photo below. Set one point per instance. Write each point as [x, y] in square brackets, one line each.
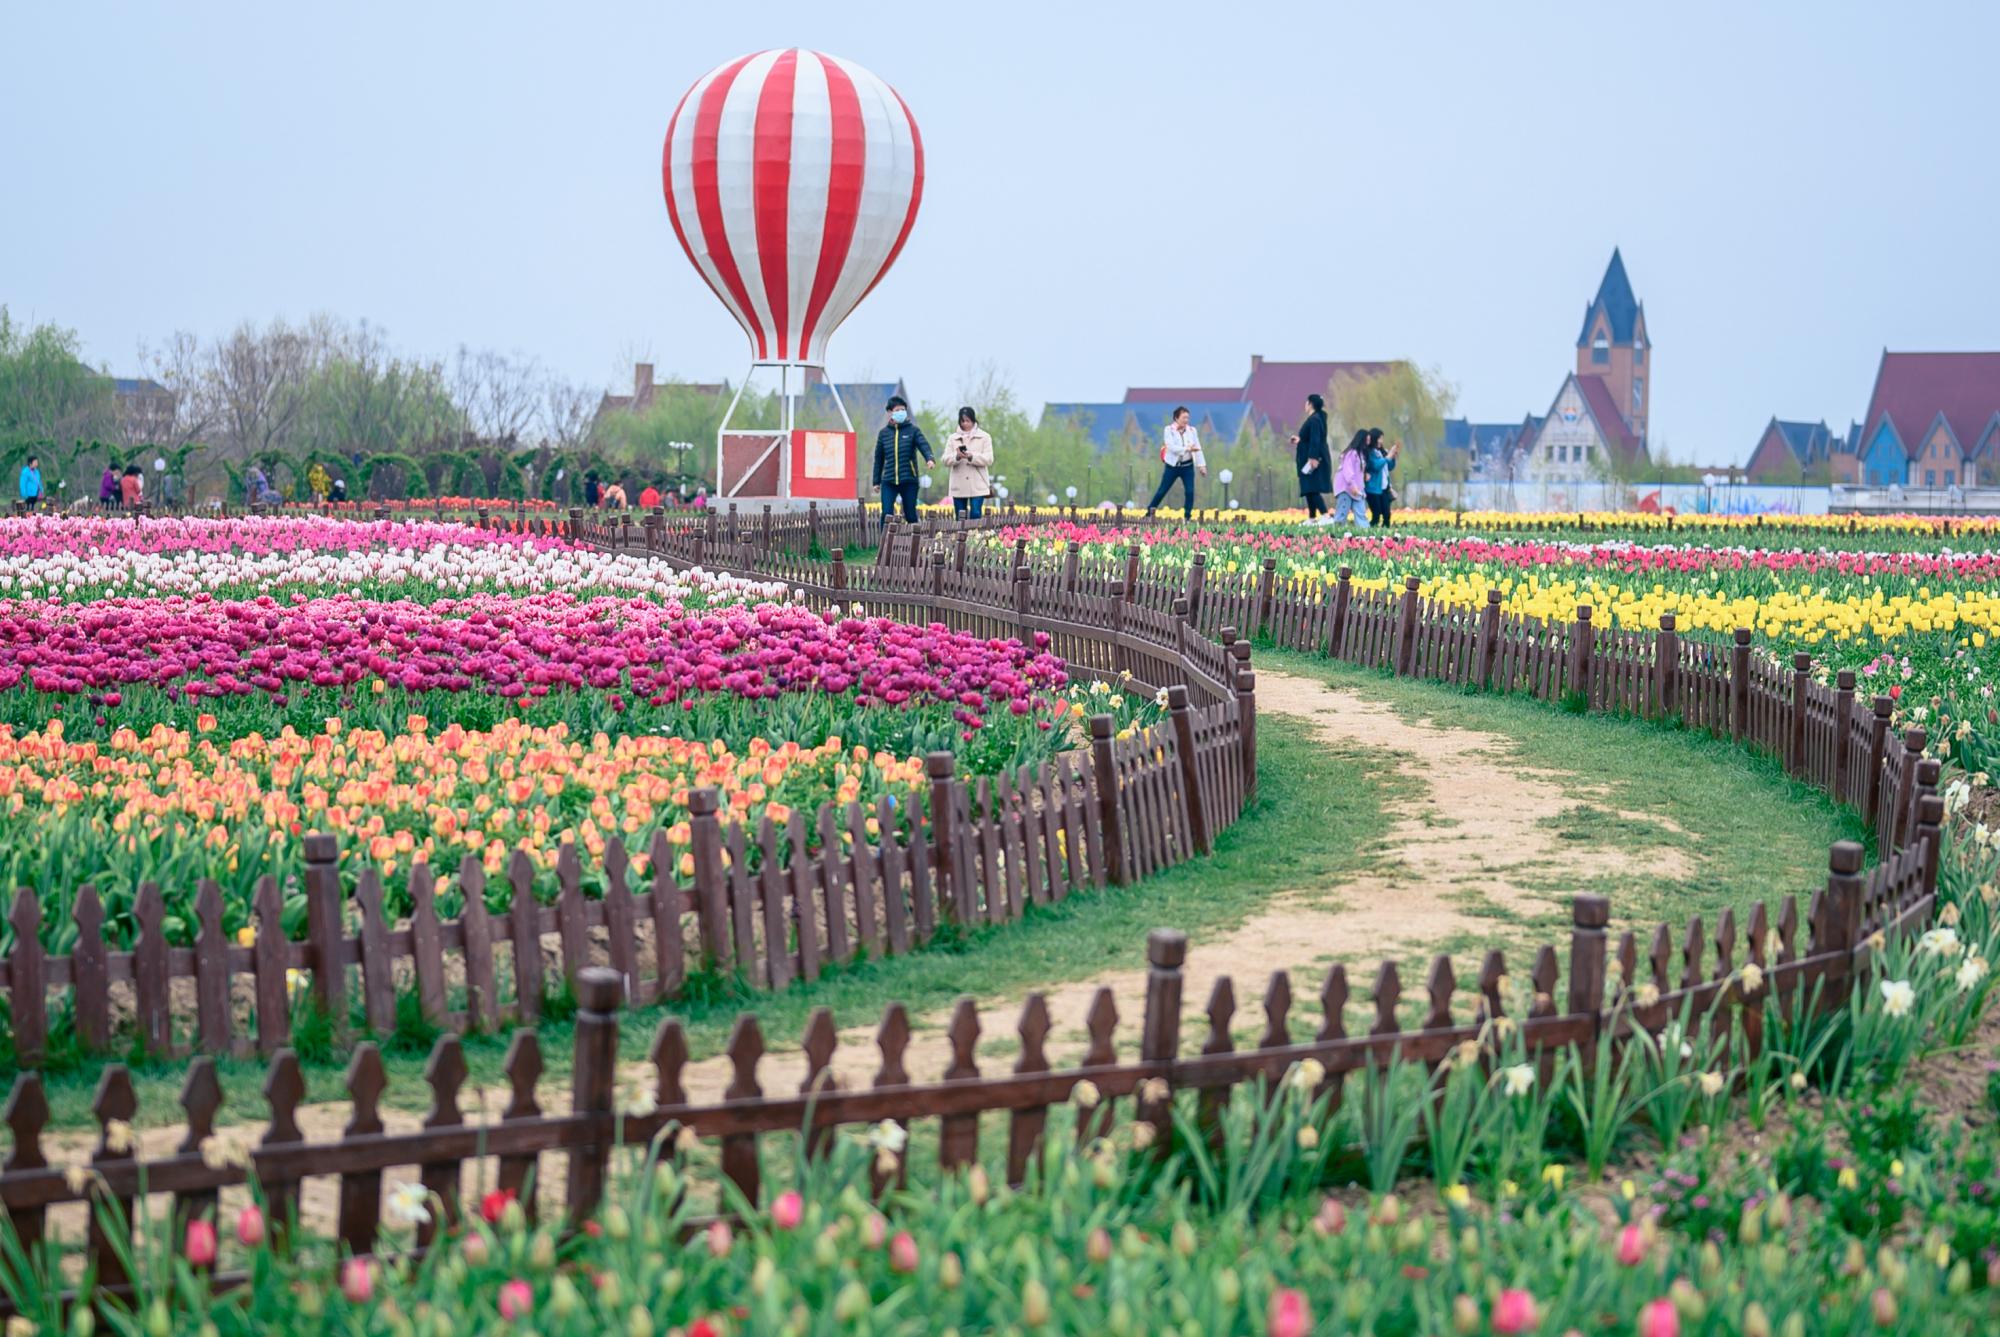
[1613, 346]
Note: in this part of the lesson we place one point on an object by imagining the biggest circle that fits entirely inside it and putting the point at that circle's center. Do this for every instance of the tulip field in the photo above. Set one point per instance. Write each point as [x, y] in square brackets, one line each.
[1915, 614]
[182, 699]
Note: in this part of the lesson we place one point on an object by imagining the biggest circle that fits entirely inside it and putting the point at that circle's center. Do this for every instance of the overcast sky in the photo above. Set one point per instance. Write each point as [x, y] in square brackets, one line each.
[1117, 194]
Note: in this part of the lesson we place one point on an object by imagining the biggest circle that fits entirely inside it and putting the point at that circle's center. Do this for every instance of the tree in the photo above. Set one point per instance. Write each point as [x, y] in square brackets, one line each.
[568, 412]
[497, 394]
[259, 380]
[1409, 404]
[179, 367]
[47, 393]
[363, 400]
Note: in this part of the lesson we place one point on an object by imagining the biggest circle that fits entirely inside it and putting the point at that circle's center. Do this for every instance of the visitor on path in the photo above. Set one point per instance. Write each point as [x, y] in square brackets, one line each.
[261, 491]
[107, 488]
[649, 497]
[613, 497]
[1310, 456]
[969, 453]
[31, 483]
[1180, 461]
[1381, 463]
[132, 488]
[897, 447]
[339, 492]
[592, 494]
[1349, 483]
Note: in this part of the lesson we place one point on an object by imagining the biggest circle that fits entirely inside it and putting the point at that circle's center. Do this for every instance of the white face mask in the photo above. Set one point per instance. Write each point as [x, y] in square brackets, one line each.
[898, 416]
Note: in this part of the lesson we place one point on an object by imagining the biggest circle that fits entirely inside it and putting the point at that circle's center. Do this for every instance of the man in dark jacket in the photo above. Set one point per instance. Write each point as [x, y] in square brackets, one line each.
[896, 449]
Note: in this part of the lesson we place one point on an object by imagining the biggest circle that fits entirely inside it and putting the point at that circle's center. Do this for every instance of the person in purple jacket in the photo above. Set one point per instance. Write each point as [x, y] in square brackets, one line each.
[1349, 483]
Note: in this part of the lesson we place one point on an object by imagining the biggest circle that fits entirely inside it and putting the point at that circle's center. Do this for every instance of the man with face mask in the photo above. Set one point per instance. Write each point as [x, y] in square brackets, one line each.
[897, 447]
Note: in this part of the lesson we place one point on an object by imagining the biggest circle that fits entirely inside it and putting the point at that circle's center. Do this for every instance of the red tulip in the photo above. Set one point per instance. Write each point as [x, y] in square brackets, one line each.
[516, 1299]
[1291, 1316]
[787, 1211]
[250, 1226]
[357, 1280]
[1514, 1311]
[201, 1242]
[1631, 1246]
[1660, 1319]
[903, 1253]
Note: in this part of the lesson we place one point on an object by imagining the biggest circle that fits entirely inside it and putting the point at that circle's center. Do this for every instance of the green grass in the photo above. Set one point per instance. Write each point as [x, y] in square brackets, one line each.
[1313, 822]
[1746, 830]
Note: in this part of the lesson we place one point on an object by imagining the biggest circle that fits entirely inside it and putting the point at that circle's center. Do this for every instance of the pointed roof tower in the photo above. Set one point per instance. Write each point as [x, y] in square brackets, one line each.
[1615, 299]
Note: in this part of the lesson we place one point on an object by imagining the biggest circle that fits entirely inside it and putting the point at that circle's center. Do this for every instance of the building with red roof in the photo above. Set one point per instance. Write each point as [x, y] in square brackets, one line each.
[1596, 426]
[1275, 391]
[1933, 420]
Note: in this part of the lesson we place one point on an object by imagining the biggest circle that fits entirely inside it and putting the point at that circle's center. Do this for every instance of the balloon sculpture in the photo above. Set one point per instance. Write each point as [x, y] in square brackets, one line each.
[792, 180]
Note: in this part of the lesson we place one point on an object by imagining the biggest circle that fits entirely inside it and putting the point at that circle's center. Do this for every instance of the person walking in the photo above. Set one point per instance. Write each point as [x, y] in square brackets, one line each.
[31, 483]
[897, 447]
[1350, 483]
[1311, 458]
[969, 454]
[591, 492]
[107, 488]
[1381, 463]
[1180, 461]
[132, 488]
[649, 498]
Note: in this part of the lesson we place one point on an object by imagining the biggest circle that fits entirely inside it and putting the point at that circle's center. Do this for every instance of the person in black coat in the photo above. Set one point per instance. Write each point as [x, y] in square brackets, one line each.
[897, 447]
[1314, 461]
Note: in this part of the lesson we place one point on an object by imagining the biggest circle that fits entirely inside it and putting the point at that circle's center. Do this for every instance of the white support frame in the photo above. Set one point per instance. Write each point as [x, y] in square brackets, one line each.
[789, 420]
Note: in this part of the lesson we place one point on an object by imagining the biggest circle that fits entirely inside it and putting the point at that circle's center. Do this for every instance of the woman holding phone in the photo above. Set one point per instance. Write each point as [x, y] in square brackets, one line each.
[969, 454]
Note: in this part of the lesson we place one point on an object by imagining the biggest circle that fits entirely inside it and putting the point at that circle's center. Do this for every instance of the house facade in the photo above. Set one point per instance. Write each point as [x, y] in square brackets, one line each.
[1931, 421]
[1596, 426]
[1791, 452]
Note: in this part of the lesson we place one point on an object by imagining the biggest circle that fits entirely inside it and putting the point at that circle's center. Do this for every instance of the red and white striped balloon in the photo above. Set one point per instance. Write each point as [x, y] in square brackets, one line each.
[792, 180]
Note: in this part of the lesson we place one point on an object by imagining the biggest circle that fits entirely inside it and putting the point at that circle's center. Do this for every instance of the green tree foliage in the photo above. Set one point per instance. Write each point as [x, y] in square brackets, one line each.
[360, 399]
[1409, 404]
[47, 392]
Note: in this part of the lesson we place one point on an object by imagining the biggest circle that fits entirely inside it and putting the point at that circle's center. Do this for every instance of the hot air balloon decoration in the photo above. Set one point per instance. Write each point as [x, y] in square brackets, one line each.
[792, 180]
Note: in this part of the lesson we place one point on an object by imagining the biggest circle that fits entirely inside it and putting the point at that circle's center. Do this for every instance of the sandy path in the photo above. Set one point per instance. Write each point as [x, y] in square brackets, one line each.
[1474, 837]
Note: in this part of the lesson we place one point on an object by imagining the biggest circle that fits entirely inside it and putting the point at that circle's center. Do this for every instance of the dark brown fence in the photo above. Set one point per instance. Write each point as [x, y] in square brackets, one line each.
[1150, 799]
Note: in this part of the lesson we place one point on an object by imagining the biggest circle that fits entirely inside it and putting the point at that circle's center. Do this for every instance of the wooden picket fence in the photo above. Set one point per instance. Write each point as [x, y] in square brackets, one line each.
[1150, 800]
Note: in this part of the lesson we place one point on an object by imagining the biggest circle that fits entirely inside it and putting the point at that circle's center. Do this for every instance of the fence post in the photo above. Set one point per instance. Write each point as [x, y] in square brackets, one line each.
[1072, 559]
[593, 1078]
[576, 524]
[1406, 630]
[1132, 571]
[812, 527]
[1160, 1040]
[1022, 575]
[1489, 639]
[1906, 790]
[937, 575]
[1840, 913]
[1582, 641]
[1878, 748]
[1739, 684]
[1183, 719]
[1843, 730]
[1667, 666]
[1197, 576]
[1119, 598]
[958, 553]
[651, 524]
[840, 568]
[1930, 817]
[711, 892]
[764, 533]
[1267, 580]
[1343, 595]
[1795, 737]
[1246, 715]
[1588, 916]
[1110, 812]
[944, 834]
[323, 927]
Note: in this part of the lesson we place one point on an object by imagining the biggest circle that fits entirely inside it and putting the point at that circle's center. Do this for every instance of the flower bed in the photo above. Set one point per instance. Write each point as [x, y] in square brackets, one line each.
[1918, 623]
[428, 690]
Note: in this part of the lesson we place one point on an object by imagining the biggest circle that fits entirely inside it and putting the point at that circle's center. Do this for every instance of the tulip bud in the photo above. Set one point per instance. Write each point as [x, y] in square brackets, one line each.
[1119, 1320]
[1465, 1316]
[563, 1298]
[1034, 1303]
[851, 1303]
[1103, 1174]
[1959, 1281]
[1228, 1287]
[1332, 1218]
[1389, 1211]
[1184, 1241]
[474, 1249]
[1691, 1302]
[1750, 1230]
[978, 1186]
[950, 1272]
[357, 1280]
[1756, 1323]
[609, 1292]
[639, 1322]
[616, 1223]
[1779, 1210]
[1659, 1319]
[542, 1253]
[1711, 1261]
[720, 1239]
[1131, 1243]
[82, 1321]
[1882, 1307]
[1098, 1248]
[513, 1218]
[1631, 1246]
[1415, 1235]
[1793, 1326]
[666, 1183]
[903, 1253]
[1775, 1261]
[159, 1323]
[200, 1243]
[825, 1252]
[250, 1226]
[1855, 1262]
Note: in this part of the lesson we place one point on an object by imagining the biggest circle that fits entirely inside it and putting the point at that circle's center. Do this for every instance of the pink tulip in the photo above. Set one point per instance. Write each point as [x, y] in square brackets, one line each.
[250, 1226]
[1631, 1246]
[201, 1242]
[1514, 1311]
[903, 1253]
[720, 1239]
[357, 1280]
[1291, 1316]
[874, 1230]
[1660, 1319]
[516, 1299]
[1332, 1217]
[475, 1249]
[788, 1210]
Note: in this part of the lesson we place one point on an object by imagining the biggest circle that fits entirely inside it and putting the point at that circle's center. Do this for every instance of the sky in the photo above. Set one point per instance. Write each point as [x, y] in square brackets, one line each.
[1116, 194]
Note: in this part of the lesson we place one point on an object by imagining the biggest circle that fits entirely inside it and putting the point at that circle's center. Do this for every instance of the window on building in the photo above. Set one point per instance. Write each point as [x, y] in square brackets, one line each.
[1638, 395]
[1638, 355]
[1930, 478]
[1600, 351]
[1590, 452]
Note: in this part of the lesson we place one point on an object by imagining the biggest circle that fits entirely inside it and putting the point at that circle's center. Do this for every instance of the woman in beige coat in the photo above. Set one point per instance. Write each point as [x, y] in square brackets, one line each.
[969, 453]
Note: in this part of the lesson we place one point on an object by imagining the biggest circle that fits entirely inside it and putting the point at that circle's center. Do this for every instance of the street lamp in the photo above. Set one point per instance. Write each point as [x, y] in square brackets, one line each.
[1070, 492]
[1226, 477]
[1052, 498]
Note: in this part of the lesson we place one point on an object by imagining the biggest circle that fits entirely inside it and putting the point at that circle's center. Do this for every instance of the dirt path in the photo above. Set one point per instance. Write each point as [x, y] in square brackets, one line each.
[1472, 841]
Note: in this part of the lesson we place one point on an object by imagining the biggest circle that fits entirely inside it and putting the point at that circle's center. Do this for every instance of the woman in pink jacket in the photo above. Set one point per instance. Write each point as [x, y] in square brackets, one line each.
[1350, 484]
